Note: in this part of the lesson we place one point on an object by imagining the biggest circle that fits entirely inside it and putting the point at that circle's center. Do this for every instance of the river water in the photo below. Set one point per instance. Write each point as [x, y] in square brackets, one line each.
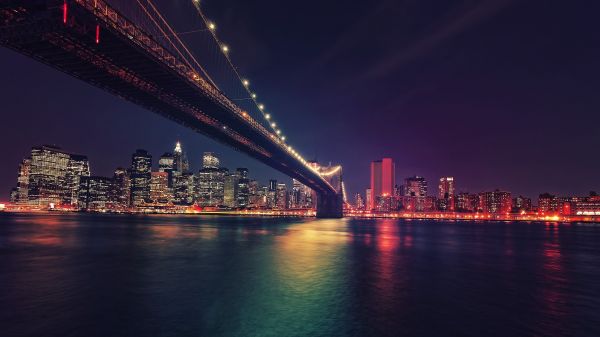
[122, 275]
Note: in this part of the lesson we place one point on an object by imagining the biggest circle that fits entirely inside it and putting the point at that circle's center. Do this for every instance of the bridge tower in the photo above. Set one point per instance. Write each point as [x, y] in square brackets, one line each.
[330, 205]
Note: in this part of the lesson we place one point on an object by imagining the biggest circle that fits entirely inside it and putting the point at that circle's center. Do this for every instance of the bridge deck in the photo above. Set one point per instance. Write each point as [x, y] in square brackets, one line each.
[129, 63]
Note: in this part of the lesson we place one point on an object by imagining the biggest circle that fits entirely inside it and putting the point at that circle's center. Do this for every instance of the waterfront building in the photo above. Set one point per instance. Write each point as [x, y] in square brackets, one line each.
[496, 202]
[211, 181]
[166, 163]
[548, 203]
[255, 199]
[368, 201]
[446, 194]
[121, 189]
[184, 188]
[22, 190]
[231, 190]
[383, 180]
[94, 193]
[359, 202]
[141, 166]
[243, 188]
[78, 166]
[521, 204]
[272, 194]
[159, 188]
[47, 177]
[281, 196]
[466, 202]
[415, 194]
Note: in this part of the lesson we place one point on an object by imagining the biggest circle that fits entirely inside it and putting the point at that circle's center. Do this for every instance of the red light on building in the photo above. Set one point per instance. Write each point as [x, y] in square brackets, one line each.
[383, 180]
[97, 34]
[65, 12]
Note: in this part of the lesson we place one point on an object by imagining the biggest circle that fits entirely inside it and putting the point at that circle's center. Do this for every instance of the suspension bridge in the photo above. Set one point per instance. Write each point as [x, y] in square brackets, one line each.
[131, 49]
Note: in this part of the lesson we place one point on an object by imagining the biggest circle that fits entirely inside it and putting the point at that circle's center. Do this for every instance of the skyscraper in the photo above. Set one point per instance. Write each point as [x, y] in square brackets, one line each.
[495, 202]
[272, 194]
[22, 191]
[383, 180]
[359, 202]
[211, 181]
[121, 189]
[180, 162]
[281, 199]
[141, 166]
[78, 166]
[231, 190]
[47, 176]
[415, 194]
[446, 194]
[243, 188]
[94, 193]
[159, 188]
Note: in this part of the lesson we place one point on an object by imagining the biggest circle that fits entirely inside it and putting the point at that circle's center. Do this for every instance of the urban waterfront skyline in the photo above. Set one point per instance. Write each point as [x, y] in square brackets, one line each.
[53, 178]
[480, 137]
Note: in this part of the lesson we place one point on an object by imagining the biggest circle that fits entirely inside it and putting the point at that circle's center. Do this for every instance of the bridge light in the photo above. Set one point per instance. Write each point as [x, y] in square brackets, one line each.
[211, 25]
[225, 48]
[267, 116]
[273, 125]
[261, 107]
[278, 131]
[246, 83]
[253, 95]
[282, 137]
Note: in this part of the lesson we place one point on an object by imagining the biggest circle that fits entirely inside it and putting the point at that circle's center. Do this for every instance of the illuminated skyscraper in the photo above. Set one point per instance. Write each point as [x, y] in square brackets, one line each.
[79, 166]
[415, 194]
[281, 199]
[243, 188]
[230, 190]
[359, 203]
[121, 189]
[141, 166]
[47, 176]
[211, 181]
[180, 162]
[94, 193]
[23, 181]
[383, 180]
[159, 188]
[446, 194]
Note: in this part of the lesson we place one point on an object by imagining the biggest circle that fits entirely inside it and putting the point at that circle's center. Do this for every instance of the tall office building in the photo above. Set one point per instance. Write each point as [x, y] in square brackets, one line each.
[180, 162]
[47, 176]
[272, 194]
[22, 190]
[121, 189]
[94, 193]
[243, 188]
[281, 198]
[446, 194]
[231, 190]
[359, 202]
[159, 188]
[141, 167]
[78, 167]
[415, 194]
[211, 181]
[184, 188]
[166, 163]
[383, 180]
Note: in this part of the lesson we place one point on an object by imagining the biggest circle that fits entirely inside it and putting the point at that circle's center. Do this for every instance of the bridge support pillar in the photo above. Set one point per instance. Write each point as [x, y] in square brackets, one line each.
[329, 206]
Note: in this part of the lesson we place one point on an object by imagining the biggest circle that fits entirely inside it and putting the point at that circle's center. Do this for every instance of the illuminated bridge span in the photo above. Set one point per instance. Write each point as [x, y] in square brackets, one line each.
[141, 58]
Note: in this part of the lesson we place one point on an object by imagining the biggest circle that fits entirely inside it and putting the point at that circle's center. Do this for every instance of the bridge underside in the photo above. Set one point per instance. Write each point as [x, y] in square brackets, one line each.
[109, 53]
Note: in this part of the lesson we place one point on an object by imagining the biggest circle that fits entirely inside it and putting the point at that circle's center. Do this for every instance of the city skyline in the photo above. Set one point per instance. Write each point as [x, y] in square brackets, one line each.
[517, 151]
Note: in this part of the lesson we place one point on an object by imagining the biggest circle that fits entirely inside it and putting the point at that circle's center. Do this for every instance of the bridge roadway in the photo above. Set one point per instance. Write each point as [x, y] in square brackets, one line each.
[91, 41]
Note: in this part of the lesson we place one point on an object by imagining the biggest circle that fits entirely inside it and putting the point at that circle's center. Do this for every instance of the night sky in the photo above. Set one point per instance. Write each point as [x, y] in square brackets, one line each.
[499, 94]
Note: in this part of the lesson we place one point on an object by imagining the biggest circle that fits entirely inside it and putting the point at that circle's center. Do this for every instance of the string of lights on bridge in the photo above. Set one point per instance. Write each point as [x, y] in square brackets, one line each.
[246, 84]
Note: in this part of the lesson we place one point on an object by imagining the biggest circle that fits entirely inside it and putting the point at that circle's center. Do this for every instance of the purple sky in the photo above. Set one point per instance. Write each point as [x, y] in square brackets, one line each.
[499, 94]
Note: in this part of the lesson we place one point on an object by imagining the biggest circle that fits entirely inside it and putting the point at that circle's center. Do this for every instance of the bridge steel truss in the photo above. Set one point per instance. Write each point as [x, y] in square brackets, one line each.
[91, 41]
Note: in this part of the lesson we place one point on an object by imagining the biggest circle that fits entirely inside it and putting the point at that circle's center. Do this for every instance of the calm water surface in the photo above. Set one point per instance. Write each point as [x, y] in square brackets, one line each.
[107, 275]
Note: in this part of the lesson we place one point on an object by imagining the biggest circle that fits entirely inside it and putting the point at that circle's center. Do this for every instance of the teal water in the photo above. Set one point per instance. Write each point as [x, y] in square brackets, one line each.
[110, 275]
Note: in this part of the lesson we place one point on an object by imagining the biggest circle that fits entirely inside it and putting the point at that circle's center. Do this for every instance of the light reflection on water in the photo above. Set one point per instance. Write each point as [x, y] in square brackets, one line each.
[224, 276]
